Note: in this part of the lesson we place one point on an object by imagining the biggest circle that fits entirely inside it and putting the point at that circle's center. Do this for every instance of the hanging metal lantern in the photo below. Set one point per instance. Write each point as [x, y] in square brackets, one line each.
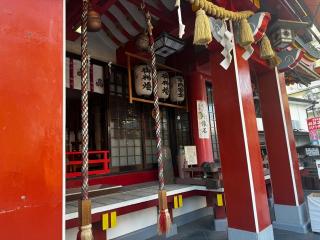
[163, 85]
[94, 21]
[177, 93]
[143, 80]
[282, 38]
[166, 44]
[142, 42]
[282, 32]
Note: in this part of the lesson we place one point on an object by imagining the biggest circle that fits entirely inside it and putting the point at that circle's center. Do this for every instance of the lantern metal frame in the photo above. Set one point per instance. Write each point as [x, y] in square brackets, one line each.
[166, 44]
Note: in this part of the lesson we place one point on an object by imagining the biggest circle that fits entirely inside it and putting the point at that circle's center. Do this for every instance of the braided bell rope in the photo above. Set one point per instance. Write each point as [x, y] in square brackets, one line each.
[157, 116]
[219, 12]
[156, 101]
[84, 98]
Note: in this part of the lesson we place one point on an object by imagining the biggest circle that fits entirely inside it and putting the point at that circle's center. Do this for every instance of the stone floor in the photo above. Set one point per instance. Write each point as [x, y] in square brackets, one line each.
[202, 229]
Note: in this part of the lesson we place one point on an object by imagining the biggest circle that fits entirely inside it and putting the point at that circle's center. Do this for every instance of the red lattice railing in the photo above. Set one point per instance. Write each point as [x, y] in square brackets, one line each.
[98, 163]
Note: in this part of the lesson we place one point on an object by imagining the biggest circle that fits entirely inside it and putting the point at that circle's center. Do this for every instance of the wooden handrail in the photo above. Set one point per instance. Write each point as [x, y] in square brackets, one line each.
[149, 60]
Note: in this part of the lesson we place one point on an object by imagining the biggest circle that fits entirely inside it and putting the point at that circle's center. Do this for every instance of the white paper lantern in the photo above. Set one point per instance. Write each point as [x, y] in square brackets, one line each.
[177, 89]
[143, 80]
[163, 85]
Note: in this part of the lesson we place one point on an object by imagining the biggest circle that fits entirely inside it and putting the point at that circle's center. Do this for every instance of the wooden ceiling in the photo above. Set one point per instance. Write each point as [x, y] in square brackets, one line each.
[122, 20]
[314, 8]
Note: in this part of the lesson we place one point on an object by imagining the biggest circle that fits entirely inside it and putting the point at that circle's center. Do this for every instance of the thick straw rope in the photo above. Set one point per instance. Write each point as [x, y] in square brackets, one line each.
[219, 12]
[84, 99]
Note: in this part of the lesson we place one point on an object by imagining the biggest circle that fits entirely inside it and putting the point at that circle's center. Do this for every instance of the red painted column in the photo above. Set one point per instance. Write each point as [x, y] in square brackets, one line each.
[197, 92]
[31, 119]
[241, 162]
[290, 210]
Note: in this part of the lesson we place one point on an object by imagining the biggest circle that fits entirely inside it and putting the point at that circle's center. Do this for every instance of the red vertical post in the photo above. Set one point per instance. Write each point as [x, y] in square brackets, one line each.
[197, 92]
[241, 162]
[31, 119]
[290, 209]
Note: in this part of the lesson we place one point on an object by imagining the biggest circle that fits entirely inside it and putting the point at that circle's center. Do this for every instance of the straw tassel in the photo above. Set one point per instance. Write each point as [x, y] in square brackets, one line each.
[202, 31]
[274, 61]
[164, 219]
[266, 51]
[246, 35]
[86, 232]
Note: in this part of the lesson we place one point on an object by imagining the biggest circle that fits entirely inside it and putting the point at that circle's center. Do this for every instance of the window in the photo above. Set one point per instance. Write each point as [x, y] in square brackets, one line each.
[126, 133]
[213, 123]
[97, 106]
[150, 140]
[182, 128]
[118, 83]
[126, 130]
[132, 128]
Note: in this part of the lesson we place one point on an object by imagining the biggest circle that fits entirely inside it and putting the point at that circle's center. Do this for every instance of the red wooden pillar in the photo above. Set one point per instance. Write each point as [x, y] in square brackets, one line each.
[241, 162]
[290, 209]
[31, 119]
[197, 92]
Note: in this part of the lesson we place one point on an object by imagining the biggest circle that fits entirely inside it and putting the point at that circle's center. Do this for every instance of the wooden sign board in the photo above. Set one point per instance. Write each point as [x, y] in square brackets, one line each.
[191, 155]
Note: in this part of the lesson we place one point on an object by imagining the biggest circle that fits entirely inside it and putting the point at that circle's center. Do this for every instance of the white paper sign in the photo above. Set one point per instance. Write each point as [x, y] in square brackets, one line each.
[97, 74]
[203, 120]
[318, 167]
[98, 83]
[190, 153]
[312, 152]
[77, 74]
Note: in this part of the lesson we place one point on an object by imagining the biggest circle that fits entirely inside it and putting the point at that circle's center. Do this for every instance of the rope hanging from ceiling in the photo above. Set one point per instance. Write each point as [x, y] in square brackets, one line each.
[164, 219]
[90, 21]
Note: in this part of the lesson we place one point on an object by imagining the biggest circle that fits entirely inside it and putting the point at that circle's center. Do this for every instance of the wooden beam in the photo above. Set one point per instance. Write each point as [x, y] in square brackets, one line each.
[73, 18]
[188, 20]
[149, 60]
[74, 15]
[163, 6]
[110, 34]
[135, 99]
[160, 13]
[126, 13]
[106, 6]
[73, 9]
[118, 25]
